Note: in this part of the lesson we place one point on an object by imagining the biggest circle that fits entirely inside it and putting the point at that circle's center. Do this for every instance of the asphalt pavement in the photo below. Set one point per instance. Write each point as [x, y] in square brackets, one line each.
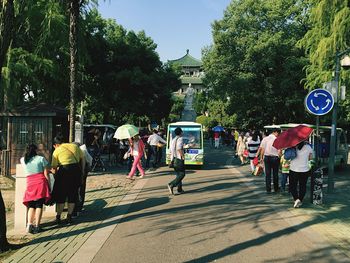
[224, 216]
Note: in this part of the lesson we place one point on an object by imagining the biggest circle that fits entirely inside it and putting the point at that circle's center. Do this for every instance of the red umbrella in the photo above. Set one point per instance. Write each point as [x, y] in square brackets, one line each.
[292, 137]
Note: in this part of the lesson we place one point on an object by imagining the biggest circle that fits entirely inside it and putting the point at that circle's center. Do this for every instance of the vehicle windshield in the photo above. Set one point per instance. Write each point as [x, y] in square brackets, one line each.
[191, 136]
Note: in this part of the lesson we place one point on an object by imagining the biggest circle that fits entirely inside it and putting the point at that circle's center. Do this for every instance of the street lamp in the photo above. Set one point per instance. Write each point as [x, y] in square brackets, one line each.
[344, 63]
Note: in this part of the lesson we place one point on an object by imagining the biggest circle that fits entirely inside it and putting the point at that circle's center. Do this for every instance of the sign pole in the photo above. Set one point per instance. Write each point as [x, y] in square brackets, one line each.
[316, 165]
[318, 102]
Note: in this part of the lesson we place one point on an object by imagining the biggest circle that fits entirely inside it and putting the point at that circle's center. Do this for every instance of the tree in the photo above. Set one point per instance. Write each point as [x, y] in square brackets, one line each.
[256, 62]
[74, 13]
[6, 33]
[329, 33]
[125, 74]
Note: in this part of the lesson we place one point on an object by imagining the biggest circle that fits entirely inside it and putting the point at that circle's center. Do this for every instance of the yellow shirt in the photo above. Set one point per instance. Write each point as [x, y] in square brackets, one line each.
[66, 153]
[236, 134]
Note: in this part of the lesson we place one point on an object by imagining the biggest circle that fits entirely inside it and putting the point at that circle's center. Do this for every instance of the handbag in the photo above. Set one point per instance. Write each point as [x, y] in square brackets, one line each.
[171, 164]
[256, 161]
[160, 145]
[126, 155]
[258, 170]
[245, 153]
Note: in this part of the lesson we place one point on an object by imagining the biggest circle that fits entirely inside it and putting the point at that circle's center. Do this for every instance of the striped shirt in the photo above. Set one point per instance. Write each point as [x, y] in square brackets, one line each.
[253, 147]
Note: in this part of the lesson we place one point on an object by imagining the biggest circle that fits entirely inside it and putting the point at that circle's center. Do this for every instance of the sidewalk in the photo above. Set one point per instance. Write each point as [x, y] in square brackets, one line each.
[59, 243]
[332, 219]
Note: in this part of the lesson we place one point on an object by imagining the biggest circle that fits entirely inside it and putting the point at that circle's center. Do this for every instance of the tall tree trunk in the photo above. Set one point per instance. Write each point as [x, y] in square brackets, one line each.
[6, 34]
[74, 9]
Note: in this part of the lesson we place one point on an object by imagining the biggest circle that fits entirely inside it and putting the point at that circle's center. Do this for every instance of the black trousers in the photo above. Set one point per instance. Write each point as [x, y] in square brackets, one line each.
[179, 167]
[296, 178]
[271, 167]
[154, 153]
[82, 191]
[3, 239]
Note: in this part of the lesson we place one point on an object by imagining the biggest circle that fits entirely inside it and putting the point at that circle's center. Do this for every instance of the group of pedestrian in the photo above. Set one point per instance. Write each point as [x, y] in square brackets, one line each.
[296, 170]
[257, 149]
[69, 167]
[217, 138]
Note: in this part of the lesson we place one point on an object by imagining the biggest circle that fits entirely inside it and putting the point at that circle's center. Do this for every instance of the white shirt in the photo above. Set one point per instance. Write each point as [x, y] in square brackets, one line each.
[174, 149]
[88, 157]
[154, 139]
[300, 163]
[135, 149]
[266, 144]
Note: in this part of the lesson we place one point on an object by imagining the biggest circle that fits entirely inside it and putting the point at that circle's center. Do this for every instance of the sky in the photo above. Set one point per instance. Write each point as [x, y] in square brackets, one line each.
[174, 25]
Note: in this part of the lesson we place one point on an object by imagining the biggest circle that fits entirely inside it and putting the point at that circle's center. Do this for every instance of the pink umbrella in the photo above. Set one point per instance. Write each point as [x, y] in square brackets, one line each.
[292, 137]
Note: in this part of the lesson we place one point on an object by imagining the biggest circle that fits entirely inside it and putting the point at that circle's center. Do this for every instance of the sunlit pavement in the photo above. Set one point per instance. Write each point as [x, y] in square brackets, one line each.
[224, 216]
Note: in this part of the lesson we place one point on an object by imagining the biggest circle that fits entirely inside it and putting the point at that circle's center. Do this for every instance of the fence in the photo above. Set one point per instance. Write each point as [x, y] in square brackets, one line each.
[5, 163]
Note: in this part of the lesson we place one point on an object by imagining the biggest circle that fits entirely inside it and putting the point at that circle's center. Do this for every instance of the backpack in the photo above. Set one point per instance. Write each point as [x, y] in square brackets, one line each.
[290, 153]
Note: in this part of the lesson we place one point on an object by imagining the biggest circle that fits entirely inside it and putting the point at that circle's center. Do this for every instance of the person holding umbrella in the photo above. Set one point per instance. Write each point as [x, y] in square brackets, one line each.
[300, 172]
[217, 130]
[137, 150]
[137, 147]
[299, 169]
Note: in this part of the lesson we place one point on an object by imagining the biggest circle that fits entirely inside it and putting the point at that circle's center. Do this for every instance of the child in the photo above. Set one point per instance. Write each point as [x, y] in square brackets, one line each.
[285, 164]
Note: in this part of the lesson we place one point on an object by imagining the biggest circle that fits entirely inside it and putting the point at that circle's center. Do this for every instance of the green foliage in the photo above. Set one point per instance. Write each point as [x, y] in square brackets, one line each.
[329, 33]
[200, 102]
[177, 108]
[120, 75]
[219, 114]
[256, 62]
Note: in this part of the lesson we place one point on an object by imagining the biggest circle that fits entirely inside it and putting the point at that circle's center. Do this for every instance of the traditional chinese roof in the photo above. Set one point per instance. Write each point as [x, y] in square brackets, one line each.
[187, 61]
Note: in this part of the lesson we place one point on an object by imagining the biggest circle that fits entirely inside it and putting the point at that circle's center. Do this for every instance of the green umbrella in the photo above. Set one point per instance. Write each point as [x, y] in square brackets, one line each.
[126, 131]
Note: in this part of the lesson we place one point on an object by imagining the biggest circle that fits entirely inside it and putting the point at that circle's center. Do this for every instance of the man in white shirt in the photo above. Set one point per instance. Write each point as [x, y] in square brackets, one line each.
[178, 156]
[270, 156]
[153, 141]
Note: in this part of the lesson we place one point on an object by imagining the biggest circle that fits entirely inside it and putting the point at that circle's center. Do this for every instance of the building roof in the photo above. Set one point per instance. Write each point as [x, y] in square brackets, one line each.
[36, 109]
[187, 61]
[192, 80]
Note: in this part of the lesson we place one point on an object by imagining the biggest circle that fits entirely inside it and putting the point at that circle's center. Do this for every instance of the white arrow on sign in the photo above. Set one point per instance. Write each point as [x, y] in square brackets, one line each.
[317, 94]
[313, 105]
[328, 102]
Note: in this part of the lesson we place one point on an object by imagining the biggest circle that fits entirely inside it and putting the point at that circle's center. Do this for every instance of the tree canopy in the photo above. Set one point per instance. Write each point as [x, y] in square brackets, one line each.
[119, 73]
[255, 61]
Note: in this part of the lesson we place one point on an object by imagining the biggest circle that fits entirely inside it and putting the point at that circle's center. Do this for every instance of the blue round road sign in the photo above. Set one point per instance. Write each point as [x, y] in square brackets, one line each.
[319, 102]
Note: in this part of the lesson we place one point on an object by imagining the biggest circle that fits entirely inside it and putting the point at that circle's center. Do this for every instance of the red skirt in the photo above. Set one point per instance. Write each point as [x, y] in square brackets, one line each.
[37, 188]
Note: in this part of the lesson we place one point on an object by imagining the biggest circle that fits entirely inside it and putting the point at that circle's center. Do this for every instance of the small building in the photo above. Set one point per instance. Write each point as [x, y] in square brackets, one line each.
[30, 123]
[192, 72]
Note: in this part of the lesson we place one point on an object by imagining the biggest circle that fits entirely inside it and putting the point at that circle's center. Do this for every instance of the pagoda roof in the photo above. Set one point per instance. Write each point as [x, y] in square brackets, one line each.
[187, 61]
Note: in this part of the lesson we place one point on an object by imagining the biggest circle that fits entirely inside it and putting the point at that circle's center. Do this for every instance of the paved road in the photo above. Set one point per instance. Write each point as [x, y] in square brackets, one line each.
[223, 217]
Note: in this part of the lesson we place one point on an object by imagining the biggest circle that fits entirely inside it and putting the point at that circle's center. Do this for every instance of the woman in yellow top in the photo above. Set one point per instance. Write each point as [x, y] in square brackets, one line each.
[67, 160]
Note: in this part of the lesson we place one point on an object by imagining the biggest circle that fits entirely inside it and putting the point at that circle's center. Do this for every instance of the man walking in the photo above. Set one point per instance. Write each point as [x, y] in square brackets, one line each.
[154, 140]
[270, 156]
[178, 156]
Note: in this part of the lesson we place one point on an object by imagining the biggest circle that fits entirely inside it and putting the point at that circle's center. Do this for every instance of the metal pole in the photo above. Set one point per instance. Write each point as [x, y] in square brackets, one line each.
[316, 144]
[334, 127]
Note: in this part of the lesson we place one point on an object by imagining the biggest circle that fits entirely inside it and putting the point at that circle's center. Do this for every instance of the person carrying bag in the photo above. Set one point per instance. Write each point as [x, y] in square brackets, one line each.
[178, 157]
